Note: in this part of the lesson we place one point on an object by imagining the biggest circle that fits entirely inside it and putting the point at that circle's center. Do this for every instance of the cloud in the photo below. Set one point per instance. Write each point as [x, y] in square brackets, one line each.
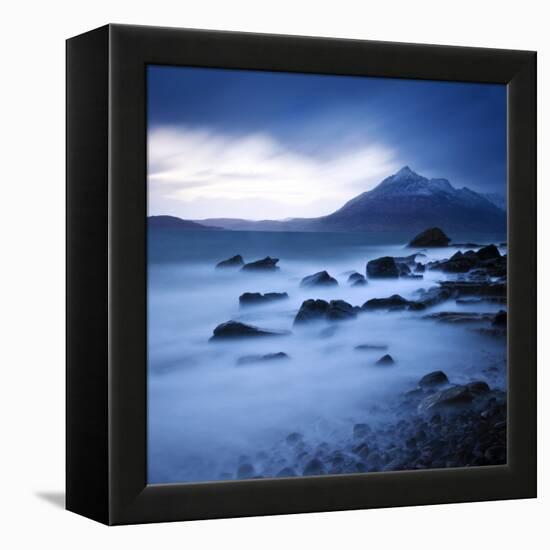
[197, 173]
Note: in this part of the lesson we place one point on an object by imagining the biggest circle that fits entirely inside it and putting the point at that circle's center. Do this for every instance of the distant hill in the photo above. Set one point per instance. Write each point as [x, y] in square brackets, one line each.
[178, 223]
[405, 201]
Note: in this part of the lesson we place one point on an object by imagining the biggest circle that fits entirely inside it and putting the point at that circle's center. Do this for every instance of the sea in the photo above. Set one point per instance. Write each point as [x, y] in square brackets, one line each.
[207, 413]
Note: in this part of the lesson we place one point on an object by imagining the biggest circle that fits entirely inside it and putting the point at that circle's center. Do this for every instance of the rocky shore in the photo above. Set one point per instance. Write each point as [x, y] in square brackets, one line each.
[434, 425]
[439, 423]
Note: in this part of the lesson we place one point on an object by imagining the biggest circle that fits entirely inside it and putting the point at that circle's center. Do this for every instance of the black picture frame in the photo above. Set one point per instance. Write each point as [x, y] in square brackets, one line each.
[106, 274]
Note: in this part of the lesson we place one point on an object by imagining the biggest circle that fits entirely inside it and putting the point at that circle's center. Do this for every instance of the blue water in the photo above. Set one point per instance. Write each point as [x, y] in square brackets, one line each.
[205, 413]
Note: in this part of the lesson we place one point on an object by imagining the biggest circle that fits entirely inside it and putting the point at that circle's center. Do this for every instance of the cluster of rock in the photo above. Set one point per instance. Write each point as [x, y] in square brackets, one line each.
[319, 279]
[315, 310]
[356, 279]
[479, 276]
[487, 260]
[389, 267]
[265, 264]
[437, 425]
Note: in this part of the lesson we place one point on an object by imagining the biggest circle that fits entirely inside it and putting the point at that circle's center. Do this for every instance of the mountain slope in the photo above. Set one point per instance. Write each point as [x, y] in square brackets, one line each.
[499, 200]
[172, 222]
[405, 201]
[408, 201]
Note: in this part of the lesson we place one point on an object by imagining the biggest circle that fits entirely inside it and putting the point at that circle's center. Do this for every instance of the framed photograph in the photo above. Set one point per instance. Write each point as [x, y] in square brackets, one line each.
[301, 274]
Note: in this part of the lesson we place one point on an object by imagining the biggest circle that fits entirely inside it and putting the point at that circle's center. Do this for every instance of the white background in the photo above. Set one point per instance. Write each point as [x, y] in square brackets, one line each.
[32, 132]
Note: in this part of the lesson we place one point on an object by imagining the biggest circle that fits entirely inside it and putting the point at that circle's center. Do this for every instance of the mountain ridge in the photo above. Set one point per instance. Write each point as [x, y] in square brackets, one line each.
[404, 201]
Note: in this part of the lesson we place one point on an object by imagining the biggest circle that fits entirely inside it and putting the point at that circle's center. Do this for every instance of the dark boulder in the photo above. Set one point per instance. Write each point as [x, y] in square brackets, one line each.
[236, 329]
[335, 310]
[266, 264]
[449, 398]
[433, 380]
[393, 302]
[359, 282]
[339, 310]
[403, 269]
[420, 268]
[319, 279]
[384, 267]
[458, 263]
[356, 278]
[385, 360]
[496, 267]
[430, 237]
[311, 310]
[249, 359]
[234, 261]
[256, 298]
[489, 252]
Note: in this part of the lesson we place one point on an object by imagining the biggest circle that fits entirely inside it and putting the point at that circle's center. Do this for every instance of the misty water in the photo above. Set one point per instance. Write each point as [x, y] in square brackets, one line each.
[205, 412]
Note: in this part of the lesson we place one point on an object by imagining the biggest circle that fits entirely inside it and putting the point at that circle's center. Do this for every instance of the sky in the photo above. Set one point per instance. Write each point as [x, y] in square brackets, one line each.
[267, 145]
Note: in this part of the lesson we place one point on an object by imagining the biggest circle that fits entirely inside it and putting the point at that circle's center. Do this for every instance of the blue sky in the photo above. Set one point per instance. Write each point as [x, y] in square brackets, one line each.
[232, 143]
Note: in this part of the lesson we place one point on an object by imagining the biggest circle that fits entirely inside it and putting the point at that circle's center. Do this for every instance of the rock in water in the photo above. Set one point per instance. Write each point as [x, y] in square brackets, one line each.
[319, 279]
[234, 261]
[339, 310]
[431, 237]
[433, 380]
[315, 310]
[393, 302]
[248, 359]
[451, 397]
[267, 264]
[458, 263]
[256, 298]
[384, 267]
[235, 329]
[355, 278]
[385, 360]
[489, 252]
[311, 310]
